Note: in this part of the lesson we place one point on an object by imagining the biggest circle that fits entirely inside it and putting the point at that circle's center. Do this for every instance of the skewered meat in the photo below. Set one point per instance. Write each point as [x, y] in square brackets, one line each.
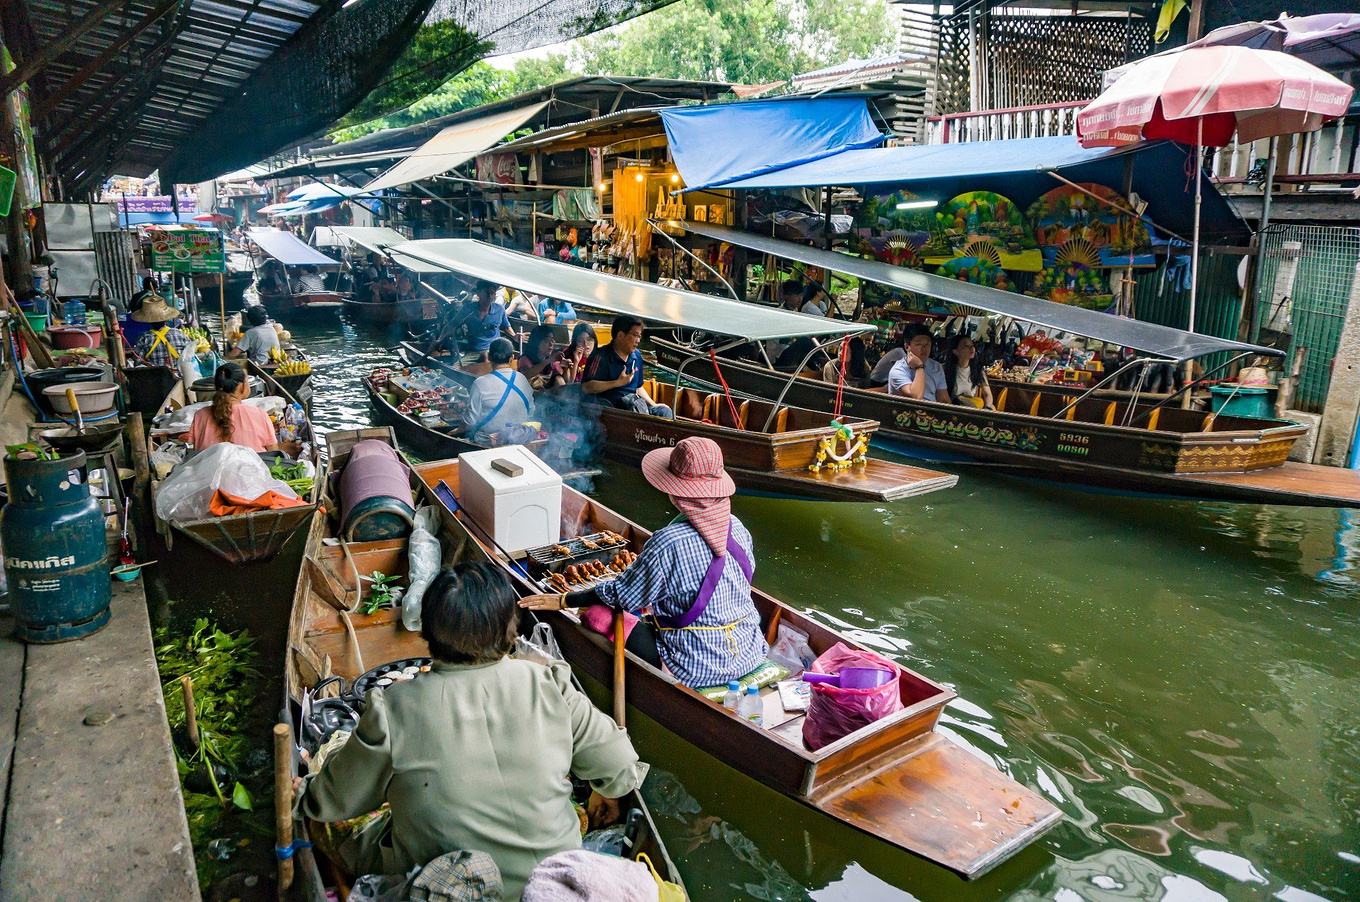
[593, 546]
[561, 551]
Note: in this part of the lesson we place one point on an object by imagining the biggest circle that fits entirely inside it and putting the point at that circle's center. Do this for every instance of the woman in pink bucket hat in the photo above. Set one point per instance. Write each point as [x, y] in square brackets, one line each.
[693, 577]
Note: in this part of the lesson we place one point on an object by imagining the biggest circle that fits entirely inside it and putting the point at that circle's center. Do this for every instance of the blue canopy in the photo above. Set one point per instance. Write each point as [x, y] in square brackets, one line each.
[718, 144]
[1018, 169]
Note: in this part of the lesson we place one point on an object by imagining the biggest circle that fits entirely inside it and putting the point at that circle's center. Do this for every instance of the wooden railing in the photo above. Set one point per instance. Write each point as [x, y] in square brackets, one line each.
[1321, 160]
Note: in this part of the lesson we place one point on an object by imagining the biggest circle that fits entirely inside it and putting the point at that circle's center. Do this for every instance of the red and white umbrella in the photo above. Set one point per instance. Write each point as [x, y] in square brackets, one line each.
[1205, 95]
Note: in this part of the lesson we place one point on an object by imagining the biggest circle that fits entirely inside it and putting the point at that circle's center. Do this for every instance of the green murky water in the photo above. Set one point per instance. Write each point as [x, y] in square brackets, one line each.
[1181, 679]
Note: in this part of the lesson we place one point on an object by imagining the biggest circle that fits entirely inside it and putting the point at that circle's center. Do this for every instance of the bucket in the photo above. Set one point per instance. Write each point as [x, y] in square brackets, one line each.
[37, 321]
[1242, 401]
[377, 518]
[55, 552]
[65, 338]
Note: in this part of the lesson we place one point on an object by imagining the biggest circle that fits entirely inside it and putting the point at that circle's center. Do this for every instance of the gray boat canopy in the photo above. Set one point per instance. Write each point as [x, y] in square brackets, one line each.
[371, 238]
[1159, 341]
[738, 319]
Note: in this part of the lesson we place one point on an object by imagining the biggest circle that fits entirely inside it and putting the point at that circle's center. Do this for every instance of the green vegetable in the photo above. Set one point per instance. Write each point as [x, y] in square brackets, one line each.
[380, 596]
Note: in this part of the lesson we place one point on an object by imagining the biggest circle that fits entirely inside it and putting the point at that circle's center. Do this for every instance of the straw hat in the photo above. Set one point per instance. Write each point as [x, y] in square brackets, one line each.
[692, 469]
[155, 310]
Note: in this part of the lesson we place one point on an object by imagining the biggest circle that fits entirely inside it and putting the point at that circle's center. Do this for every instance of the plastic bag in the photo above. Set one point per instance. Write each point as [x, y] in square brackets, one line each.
[237, 470]
[835, 712]
[424, 554]
[165, 458]
[791, 650]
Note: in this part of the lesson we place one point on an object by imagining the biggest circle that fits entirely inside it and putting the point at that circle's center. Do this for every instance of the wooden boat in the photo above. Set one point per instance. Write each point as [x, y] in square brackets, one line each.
[1035, 432]
[287, 250]
[389, 313]
[562, 331]
[898, 779]
[238, 538]
[298, 302]
[425, 439]
[763, 453]
[327, 638]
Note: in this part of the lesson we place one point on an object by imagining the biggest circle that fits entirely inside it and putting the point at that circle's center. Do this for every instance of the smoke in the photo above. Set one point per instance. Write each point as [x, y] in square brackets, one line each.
[575, 446]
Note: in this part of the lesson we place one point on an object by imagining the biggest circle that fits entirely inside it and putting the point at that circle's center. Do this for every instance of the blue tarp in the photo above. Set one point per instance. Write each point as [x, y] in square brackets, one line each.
[1019, 169]
[717, 144]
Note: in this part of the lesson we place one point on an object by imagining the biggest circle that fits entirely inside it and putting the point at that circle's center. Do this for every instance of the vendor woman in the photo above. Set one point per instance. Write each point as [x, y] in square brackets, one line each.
[227, 419]
[705, 630]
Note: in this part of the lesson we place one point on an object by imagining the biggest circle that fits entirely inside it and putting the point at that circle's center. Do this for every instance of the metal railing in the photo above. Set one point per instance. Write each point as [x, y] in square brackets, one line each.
[1321, 160]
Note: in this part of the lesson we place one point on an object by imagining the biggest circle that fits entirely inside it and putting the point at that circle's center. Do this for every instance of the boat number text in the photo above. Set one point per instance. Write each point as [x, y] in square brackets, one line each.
[1071, 443]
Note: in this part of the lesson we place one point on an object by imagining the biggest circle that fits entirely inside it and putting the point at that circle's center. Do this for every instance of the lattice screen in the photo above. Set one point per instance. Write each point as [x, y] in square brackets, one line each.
[1032, 58]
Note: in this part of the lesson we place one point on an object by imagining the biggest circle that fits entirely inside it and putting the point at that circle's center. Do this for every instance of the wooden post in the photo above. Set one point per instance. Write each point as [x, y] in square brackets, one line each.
[1196, 30]
[620, 667]
[186, 688]
[283, 801]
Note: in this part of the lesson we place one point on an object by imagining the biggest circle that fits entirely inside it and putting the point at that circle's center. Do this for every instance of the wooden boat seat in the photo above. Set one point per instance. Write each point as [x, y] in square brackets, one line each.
[877, 388]
[716, 411]
[1001, 399]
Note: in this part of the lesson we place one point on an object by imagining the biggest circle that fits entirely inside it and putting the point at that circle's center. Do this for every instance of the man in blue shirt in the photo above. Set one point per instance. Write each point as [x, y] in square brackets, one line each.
[486, 320]
[614, 372]
[918, 375]
[551, 310]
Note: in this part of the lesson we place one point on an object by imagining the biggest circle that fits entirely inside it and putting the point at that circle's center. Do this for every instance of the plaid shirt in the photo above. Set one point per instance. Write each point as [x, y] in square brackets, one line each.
[667, 576]
[159, 355]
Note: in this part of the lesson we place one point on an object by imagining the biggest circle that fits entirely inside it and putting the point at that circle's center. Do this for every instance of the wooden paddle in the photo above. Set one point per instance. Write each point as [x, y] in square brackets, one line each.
[620, 700]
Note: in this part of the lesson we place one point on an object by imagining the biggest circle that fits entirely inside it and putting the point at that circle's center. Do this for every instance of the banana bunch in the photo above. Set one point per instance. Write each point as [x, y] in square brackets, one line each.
[293, 368]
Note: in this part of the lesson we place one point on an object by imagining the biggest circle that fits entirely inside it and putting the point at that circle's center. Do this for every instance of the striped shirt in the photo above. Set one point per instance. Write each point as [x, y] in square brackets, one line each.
[667, 576]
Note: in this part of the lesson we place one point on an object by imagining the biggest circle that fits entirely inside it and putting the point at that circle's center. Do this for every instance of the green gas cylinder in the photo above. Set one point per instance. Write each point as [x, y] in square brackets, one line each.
[56, 563]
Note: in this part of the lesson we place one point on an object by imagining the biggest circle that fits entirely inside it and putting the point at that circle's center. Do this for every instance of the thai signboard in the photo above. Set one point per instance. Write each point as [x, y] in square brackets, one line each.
[187, 250]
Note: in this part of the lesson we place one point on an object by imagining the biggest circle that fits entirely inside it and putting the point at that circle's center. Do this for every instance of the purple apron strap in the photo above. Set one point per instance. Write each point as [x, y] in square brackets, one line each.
[710, 584]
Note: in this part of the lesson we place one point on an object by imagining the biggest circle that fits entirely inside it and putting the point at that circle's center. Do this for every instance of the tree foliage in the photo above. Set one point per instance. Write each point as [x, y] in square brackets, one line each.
[739, 41]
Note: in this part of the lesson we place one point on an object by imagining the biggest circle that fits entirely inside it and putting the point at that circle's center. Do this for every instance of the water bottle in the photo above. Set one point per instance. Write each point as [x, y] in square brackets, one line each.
[750, 708]
[732, 697]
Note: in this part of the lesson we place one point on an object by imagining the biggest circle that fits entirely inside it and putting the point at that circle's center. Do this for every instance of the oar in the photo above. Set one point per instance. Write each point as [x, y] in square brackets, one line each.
[620, 700]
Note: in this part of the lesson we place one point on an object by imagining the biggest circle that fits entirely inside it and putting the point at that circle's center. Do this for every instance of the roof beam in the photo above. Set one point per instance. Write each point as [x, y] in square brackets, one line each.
[32, 65]
[41, 110]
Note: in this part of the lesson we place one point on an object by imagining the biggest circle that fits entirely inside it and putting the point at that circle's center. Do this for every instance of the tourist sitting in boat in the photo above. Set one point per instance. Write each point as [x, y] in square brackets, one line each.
[896, 351]
[790, 298]
[552, 310]
[518, 303]
[796, 356]
[578, 352]
[165, 344]
[816, 302]
[273, 280]
[473, 755]
[227, 419]
[406, 288]
[856, 366]
[311, 280]
[485, 320]
[965, 379]
[918, 375]
[501, 399]
[614, 372]
[541, 362]
[259, 340]
[706, 631]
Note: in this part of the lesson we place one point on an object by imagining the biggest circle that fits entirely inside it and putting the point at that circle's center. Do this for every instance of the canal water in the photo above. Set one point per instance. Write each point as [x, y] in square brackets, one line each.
[1181, 679]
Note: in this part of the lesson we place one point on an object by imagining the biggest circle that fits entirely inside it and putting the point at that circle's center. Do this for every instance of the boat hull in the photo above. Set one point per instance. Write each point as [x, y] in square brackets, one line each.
[301, 303]
[389, 313]
[1180, 463]
[897, 779]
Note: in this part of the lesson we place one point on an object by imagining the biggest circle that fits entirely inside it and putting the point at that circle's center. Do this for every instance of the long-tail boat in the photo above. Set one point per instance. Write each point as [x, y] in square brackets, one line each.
[898, 779]
[1054, 432]
[238, 538]
[290, 251]
[329, 637]
[774, 448]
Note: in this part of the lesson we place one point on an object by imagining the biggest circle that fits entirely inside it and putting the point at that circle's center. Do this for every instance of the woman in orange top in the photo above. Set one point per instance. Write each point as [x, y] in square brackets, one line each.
[228, 420]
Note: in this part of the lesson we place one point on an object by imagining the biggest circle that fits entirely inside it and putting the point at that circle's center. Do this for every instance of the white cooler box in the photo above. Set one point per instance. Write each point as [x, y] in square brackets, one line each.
[521, 511]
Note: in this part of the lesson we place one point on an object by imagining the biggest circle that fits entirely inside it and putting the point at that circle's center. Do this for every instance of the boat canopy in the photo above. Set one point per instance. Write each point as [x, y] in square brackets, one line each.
[1149, 338]
[1021, 169]
[289, 249]
[371, 238]
[716, 144]
[739, 319]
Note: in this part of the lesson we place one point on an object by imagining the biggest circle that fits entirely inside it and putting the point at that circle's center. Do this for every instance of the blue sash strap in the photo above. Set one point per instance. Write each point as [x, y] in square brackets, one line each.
[510, 386]
[712, 577]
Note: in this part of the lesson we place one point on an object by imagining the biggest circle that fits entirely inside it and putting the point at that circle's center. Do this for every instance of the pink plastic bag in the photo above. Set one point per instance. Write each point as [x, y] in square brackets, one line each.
[835, 712]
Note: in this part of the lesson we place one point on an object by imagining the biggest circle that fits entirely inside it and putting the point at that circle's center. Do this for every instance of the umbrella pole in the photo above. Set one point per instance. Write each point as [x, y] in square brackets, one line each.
[1194, 251]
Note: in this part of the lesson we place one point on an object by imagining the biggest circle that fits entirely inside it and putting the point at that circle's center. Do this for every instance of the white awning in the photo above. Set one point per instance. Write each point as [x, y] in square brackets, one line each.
[288, 249]
[740, 319]
[370, 238]
[454, 146]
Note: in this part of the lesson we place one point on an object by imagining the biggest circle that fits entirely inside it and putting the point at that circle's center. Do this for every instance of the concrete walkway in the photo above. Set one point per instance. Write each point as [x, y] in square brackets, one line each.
[92, 806]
